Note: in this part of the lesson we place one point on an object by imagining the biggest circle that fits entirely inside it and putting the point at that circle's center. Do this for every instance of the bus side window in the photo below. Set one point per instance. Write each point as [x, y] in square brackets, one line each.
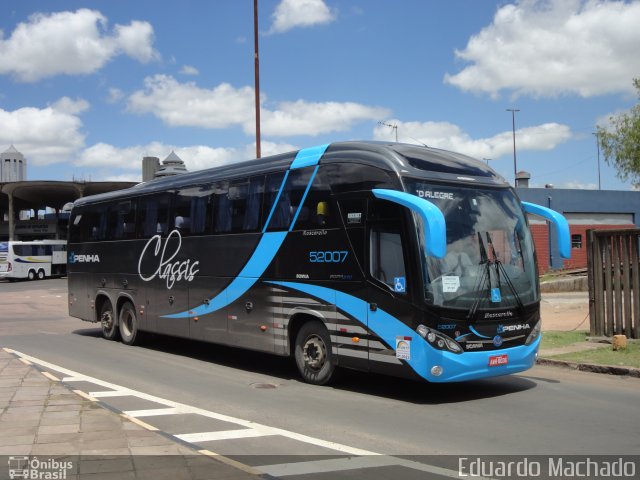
[386, 262]
[121, 221]
[222, 208]
[318, 210]
[290, 200]
[272, 187]
[386, 256]
[153, 216]
[238, 193]
[255, 194]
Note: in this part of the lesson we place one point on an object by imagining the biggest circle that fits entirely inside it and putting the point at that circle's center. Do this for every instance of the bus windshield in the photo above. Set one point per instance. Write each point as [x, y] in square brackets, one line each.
[489, 261]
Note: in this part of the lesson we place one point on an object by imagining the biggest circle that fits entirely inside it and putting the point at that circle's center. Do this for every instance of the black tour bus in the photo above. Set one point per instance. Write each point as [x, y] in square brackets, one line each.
[391, 258]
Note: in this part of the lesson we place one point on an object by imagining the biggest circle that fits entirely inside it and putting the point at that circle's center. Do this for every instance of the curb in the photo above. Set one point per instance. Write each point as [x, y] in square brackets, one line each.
[590, 367]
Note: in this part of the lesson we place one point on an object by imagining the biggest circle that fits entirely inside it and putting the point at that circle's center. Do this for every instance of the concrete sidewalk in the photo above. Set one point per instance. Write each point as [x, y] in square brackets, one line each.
[44, 419]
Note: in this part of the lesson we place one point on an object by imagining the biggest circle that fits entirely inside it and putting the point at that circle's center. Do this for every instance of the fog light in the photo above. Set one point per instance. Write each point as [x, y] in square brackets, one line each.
[436, 370]
[431, 337]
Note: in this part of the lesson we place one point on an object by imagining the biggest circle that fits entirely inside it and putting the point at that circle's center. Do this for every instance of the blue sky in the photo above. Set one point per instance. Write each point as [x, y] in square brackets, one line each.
[89, 88]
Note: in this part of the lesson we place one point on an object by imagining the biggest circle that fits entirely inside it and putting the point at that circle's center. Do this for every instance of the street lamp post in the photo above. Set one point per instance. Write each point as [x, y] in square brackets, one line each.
[513, 125]
[598, 146]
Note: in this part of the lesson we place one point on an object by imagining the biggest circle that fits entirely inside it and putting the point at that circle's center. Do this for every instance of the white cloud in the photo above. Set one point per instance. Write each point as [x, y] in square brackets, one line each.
[300, 13]
[115, 95]
[186, 104]
[552, 47]
[451, 137]
[71, 43]
[47, 135]
[70, 106]
[196, 157]
[307, 118]
[189, 70]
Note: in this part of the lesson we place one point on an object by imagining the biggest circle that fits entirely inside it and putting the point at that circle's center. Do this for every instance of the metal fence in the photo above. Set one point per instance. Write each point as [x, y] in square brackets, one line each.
[614, 282]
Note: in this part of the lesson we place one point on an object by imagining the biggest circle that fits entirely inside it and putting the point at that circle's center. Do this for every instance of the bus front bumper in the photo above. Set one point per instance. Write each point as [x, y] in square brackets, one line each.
[475, 365]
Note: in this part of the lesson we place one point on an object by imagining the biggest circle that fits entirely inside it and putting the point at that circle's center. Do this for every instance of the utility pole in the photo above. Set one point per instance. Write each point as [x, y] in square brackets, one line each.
[257, 75]
[513, 125]
[598, 146]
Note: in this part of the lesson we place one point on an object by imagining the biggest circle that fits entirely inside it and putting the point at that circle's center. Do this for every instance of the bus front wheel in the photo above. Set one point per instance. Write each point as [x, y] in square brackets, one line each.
[313, 353]
[108, 321]
[40, 274]
[128, 324]
[31, 275]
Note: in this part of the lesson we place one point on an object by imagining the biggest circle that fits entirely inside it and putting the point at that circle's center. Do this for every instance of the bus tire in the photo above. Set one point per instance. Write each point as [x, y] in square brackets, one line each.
[31, 275]
[108, 321]
[128, 324]
[40, 274]
[313, 353]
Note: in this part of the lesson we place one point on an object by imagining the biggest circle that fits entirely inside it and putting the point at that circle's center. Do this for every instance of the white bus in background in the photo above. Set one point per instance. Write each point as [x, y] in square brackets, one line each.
[35, 259]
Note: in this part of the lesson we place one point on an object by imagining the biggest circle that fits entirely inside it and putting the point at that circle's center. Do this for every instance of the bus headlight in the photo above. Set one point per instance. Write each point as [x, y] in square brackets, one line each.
[437, 340]
[535, 333]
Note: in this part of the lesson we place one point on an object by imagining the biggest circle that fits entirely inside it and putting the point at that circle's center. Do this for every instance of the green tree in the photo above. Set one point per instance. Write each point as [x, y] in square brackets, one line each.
[620, 141]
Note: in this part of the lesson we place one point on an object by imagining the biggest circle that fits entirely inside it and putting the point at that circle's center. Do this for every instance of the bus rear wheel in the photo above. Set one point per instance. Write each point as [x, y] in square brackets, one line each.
[313, 353]
[40, 274]
[108, 321]
[128, 324]
[31, 275]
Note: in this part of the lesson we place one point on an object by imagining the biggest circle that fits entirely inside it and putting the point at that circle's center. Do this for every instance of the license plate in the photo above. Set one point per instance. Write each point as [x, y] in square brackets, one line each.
[498, 360]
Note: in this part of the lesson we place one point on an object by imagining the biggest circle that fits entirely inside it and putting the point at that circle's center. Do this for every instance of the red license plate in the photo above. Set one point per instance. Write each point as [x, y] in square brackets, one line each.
[498, 360]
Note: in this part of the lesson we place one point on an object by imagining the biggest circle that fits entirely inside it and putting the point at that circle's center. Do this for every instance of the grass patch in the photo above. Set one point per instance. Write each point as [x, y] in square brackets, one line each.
[629, 357]
[561, 339]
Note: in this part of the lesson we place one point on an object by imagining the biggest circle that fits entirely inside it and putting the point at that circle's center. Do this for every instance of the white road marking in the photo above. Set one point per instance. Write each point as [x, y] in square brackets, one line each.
[205, 413]
[152, 412]
[368, 458]
[122, 392]
[221, 435]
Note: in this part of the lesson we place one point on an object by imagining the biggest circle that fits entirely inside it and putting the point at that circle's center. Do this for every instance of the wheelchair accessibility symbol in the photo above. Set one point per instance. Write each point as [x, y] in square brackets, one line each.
[399, 284]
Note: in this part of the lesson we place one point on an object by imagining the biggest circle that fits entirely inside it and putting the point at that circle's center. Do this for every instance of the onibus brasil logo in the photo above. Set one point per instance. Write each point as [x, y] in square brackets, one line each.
[35, 469]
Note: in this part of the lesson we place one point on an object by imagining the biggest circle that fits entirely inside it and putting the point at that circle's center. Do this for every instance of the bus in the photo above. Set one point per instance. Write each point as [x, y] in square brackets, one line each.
[391, 258]
[36, 259]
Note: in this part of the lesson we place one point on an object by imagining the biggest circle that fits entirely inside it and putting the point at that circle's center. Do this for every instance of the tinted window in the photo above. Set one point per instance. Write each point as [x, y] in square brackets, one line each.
[290, 199]
[153, 216]
[272, 187]
[386, 257]
[121, 221]
[319, 209]
[222, 210]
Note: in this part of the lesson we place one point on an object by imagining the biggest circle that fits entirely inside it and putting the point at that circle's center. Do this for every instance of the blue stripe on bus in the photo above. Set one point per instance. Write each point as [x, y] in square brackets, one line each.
[262, 256]
[304, 197]
[466, 366]
[308, 156]
[384, 325]
[275, 202]
[266, 250]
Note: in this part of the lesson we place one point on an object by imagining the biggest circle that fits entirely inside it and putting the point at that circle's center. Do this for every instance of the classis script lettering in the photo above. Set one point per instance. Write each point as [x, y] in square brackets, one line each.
[166, 267]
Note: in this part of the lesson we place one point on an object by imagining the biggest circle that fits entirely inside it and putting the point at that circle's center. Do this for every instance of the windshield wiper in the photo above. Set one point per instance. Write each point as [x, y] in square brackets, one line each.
[484, 260]
[500, 268]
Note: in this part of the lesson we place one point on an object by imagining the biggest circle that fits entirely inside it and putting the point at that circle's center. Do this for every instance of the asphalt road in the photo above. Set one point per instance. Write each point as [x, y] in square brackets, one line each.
[546, 411]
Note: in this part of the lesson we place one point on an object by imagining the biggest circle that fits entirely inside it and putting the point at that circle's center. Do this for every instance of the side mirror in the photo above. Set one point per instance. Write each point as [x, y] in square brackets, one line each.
[560, 223]
[435, 228]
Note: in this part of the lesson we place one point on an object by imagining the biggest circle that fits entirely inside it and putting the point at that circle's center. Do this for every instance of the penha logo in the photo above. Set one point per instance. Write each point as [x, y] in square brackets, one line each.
[73, 258]
[165, 268]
